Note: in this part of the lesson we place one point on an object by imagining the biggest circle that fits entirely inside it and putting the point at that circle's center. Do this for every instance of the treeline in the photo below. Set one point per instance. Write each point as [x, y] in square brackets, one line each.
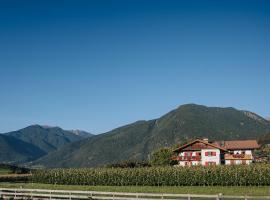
[253, 175]
[13, 169]
[13, 173]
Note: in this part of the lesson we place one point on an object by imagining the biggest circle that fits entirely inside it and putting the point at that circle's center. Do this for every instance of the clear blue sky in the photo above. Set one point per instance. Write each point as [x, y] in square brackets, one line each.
[97, 65]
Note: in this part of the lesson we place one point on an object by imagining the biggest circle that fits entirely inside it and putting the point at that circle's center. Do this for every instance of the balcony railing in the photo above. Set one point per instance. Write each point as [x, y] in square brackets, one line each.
[187, 158]
[238, 157]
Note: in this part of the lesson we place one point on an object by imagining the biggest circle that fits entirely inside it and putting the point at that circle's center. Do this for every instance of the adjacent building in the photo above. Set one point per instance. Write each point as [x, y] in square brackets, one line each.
[203, 152]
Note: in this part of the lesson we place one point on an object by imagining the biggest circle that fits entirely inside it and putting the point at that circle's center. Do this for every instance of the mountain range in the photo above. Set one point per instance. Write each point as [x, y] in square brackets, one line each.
[139, 139]
[34, 141]
[44, 146]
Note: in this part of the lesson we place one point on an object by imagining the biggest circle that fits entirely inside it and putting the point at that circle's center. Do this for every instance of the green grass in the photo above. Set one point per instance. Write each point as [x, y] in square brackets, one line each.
[5, 171]
[233, 190]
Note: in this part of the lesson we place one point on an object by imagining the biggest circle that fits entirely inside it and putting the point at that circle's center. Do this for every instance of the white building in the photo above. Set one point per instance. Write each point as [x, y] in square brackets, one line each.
[202, 152]
[239, 151]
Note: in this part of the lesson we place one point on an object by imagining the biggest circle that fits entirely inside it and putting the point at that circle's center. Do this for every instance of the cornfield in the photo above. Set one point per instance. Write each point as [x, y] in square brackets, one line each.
[253, 175]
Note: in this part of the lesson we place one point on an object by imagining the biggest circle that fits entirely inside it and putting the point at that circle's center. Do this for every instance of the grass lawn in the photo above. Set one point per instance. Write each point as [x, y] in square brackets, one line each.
[5, 171]
[151, 189]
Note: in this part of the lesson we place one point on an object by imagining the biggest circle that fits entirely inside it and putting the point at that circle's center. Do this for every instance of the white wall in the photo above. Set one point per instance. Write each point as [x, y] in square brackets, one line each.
[215, 159]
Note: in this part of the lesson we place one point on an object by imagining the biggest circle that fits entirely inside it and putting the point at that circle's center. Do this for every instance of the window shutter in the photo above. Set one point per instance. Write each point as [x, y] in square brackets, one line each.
[214, 153]
[206, 153]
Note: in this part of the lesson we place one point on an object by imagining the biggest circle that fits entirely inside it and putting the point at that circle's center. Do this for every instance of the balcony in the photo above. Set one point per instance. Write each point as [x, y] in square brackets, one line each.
[187, 158]
[238, 157]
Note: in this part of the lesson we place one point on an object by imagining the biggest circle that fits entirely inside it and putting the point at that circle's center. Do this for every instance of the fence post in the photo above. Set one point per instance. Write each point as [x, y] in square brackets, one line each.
[246, 197]
[188, 196]
[70, 195]
[15, 195]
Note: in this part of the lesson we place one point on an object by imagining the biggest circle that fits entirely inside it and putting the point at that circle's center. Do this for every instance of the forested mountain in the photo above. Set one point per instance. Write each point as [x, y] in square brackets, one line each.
[13, 150]
[138, 140]
[34, 141]
[44, 137]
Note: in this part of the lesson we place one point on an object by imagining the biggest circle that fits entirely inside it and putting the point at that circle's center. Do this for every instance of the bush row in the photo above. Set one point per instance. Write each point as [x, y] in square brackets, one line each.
[15, 178]
[253, 175]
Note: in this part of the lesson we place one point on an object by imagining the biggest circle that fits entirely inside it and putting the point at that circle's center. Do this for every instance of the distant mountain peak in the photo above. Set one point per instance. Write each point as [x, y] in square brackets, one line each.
[40, 126]
[194, 105]
[81, 133]
[47, 126]
[254, 116]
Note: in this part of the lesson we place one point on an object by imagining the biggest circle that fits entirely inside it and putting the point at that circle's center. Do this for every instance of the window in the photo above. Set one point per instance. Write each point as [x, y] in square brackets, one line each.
[210, 153]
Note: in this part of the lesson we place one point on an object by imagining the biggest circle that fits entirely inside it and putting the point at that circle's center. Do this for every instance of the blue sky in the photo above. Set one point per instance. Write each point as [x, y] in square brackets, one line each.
[97, 65]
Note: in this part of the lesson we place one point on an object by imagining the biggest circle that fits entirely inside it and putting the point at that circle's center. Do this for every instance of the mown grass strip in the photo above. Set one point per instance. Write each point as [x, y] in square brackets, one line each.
[226, 190]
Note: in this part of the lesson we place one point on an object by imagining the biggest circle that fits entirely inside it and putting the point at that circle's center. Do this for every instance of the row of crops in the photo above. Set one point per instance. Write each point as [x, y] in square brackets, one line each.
[159, 176]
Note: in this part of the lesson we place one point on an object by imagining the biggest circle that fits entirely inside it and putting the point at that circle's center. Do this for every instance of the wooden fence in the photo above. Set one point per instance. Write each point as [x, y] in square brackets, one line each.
[36, 194]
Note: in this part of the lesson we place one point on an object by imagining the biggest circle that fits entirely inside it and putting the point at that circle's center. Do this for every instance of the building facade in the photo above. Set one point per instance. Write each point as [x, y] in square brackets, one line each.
[203, 152]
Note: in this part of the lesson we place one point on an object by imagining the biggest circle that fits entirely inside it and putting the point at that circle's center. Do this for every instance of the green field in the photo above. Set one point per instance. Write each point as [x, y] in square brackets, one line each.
[151, 189]
[5, 171]
[252, 175]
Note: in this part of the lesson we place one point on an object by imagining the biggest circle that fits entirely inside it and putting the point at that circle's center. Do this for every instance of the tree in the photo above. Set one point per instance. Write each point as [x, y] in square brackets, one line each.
[162, 157]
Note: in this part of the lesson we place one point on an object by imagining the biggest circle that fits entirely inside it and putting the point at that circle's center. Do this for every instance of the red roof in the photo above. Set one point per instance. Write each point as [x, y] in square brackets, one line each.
[222, 145]
[238, 144]
[198, 145]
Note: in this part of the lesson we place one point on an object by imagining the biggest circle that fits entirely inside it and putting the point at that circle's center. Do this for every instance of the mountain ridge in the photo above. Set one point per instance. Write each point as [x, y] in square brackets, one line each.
[137, 140]
[13, 150]
[34, 141]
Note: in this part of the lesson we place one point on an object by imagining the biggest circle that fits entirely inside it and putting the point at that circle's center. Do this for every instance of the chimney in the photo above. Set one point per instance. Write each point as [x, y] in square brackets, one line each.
[205, 139]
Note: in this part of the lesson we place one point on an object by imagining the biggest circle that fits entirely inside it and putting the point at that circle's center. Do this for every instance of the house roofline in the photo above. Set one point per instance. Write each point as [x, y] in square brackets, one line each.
[198, 140]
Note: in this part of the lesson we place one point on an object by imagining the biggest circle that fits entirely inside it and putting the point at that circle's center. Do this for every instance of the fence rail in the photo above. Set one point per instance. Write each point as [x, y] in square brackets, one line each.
[37, 194]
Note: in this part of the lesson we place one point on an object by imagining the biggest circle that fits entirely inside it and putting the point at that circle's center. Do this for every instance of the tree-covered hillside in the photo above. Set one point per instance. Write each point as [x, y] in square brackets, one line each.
[32, 142]
[138, 140]
[44, 137]
[13, 150]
